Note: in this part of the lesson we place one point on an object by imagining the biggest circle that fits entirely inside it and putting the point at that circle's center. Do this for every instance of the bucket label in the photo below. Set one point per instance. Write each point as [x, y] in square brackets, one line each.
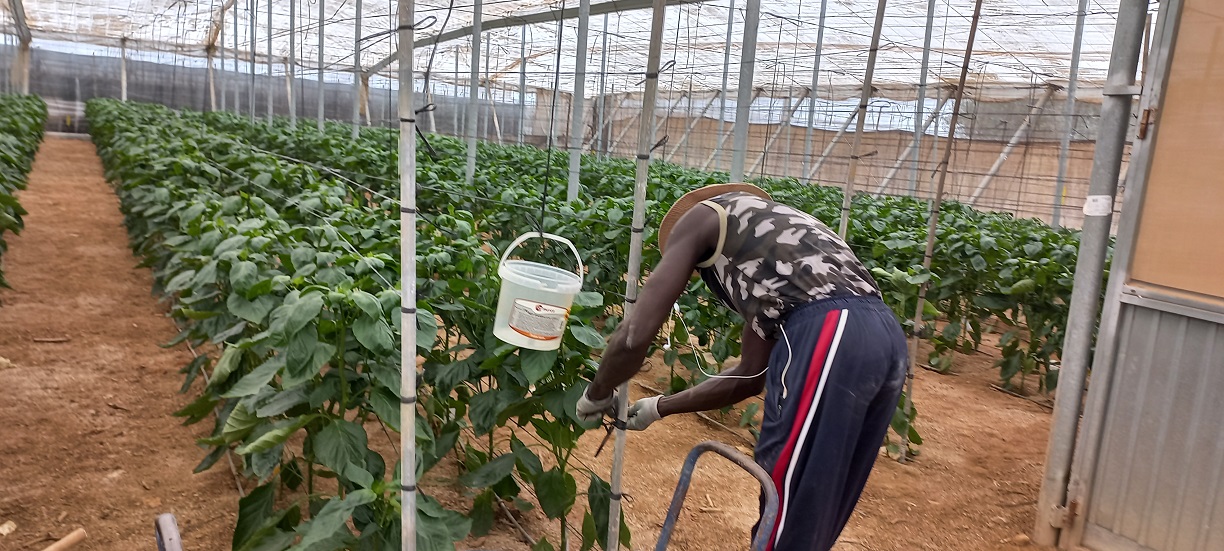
[539, 321]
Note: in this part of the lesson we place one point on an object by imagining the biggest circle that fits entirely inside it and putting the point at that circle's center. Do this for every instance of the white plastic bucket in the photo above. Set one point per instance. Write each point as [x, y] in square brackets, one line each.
[534, 302]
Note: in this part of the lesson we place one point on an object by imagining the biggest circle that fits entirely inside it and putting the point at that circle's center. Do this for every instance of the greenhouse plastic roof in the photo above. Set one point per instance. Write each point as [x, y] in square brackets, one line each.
[1021, 44]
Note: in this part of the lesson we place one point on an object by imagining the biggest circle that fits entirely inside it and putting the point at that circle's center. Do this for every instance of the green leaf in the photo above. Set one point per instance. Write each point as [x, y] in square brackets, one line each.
[230, 359]
[291, 317]
[374, 334]
[280, 432]
[490, 473]
[527, 460]
[339, 443]
[542, 545]
[484, 408]
[305, 357]
[239, 423]
[589, 532]
[243, 274]
[482, 514]
[331, 519]
[386, 406]
[358, 476]
[179, 282]
[557, 491]
[256, 379]
[978, 263]
[198, 409]
[253, 513]
[599, 496]
[282, 402]
[367, 303]
[537, 363]
[427, 329]
[587, 336]
[438, 528]
[589, 299]
[1033, 247]
[253, 311]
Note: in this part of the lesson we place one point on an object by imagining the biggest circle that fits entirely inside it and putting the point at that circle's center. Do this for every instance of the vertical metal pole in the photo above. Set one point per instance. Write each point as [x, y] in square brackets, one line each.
[743, 93]
[933, 223]
[577, 127]
[1113, 129]
[322, 87]
[123, 69]
[488, 91]
[918, 107]
[645, 143]
[722, 138]
[221, 48]
[852, 172]
[1064, 150]
[912, 148]
[211, 78]
[271, 81]
[522, 90]
[472, 117]
[1011, 145]
[408, 298]
[692, 124]
[602, 102]
[812, 95]
[722, 98]
[357, 72]
[237, 73]
[291, 66]
[251, 6]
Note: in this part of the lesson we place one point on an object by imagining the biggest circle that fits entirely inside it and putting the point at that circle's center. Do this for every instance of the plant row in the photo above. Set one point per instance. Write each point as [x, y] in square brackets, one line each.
[988, 269]
[292, 274]
[21, 130]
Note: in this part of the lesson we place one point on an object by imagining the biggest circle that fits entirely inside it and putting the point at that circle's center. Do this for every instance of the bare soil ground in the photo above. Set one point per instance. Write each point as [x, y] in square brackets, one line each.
[87, 438]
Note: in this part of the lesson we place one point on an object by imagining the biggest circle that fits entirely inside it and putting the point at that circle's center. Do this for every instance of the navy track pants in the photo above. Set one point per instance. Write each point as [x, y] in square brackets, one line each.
[832, 388]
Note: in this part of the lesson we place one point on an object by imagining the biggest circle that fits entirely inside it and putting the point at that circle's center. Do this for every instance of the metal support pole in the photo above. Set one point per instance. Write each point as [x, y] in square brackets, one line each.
[271, 81]
[577, 127]
[743, 93]
[726, 75]
[1113, 129]
[922, 89]
[782, 126]
[291, 65]
[357, 72]
[408, 298]
[645, 143]
[322, 87]
[723, 135]
[601, 103]
[522, 90]
[211, 77]
[933, 224]
[606, 128]
[473, 110]
[455, 120]
[251, 92]
[488, 91]
[237, 73]
[913, 146]
[221, 52]
[824, 155]
[1011, 145]
[123, 69]
[1064, 150]
[21, 67]
[811, 122]
[693, 124]
[852, 172]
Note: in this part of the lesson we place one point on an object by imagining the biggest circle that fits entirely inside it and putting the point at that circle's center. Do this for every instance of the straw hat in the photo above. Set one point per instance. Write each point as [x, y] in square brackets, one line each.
[692, 198]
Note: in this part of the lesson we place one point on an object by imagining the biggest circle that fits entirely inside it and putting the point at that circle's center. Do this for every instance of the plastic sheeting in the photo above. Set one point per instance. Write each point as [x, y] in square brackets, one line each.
[1021, 42]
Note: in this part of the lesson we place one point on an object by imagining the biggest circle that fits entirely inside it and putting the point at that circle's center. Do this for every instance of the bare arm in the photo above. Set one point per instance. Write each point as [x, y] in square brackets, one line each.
[720, 392]
[692, 240]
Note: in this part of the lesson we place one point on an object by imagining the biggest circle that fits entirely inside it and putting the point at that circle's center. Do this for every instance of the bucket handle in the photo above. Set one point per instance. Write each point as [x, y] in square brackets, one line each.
[550, 236]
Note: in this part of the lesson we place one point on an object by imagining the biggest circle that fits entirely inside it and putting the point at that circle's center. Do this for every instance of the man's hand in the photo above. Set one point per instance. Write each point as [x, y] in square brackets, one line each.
[591, 412]
[642, 413]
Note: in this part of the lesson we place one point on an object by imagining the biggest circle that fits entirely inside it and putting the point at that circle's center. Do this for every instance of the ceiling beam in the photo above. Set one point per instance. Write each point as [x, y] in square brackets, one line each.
[214, 27]
[610, 6]
[23, 30]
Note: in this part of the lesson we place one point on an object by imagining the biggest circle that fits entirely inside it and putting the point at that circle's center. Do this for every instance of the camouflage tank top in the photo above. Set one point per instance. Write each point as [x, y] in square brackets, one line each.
[771, 259]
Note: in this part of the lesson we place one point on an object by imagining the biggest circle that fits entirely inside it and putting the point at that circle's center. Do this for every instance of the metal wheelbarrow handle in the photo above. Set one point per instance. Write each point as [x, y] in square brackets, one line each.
[769, 514]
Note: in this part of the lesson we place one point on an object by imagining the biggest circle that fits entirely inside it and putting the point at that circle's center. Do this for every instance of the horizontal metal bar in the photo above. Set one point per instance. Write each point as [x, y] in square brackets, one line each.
[1173, 303]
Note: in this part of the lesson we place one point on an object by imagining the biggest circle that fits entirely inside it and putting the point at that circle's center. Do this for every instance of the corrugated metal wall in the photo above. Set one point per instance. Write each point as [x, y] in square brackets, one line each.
[1160, 475]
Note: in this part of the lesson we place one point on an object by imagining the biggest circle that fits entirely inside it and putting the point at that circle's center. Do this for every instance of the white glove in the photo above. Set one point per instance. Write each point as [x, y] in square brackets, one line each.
[591, 412]
[642, 413]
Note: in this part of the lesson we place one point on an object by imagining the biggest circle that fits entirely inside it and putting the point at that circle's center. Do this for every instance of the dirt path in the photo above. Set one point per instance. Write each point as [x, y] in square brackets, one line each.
[86, 435]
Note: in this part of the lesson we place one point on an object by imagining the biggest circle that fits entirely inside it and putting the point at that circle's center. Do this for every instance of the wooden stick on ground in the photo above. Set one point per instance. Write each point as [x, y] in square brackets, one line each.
[67, 542]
